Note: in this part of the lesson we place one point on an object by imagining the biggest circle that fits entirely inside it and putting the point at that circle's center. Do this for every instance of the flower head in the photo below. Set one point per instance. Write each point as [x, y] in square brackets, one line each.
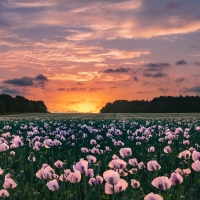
[153, 165]
[52, 185]
[134, 183]
[162, 183]
[120, 186]
[176, 179]
[111, 177]
[152, 196]
[4, 193]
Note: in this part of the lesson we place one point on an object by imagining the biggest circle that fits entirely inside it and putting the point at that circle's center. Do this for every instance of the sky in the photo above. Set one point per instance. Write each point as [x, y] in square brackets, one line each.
[78, 55]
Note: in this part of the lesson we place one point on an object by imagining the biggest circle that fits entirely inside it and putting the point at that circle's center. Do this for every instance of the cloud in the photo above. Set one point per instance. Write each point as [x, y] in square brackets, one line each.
[118, 70]
[11, 91]
[72, 89]
[3, 24]
[197, 63]
[135, 78]
[81, 89]
[172, 6]
[181, 62]
[195, 89]
[156, 75]
[156, 66]
[113, 87]
[180, 80]
[38, 81]
[163, 90]
[95, 89]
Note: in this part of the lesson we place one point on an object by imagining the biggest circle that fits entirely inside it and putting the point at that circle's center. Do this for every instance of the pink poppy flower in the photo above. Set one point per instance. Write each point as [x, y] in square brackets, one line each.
[58, 164]
[84, 150]
[125, 152]
[111, 177]
[46, 172]
[95, 181]
[52, 185]
[92, 181]
[152, 196]
[4, 193]
[95, 150]
[184, 154]
[191, 149]
[91, 159]
[89, 172]
[133, 162]
[120, 186]
[48, 143]
[151, 149]
[134, 183]
[8, 182]
[93, 142]
[3, 147]
[81, 166]
[115, 157]
[1, 171]
[153, 165]
[99, 179]
[141, 165]
[74, 177]
[117, 164]
[183, 172]
[167, 149]
[176, 179]
[196, 165]
[195, 155]
[67, 172]
[162, 183]
[12, 153]
[63, 178]
[17, 142]
[133, 170]
[186, 142]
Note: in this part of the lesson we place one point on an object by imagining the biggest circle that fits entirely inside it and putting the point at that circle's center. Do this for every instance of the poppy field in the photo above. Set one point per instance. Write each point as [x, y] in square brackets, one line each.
[87, 157]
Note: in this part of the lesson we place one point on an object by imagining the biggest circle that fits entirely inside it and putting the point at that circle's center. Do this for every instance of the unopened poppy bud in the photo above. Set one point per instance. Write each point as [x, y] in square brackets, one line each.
[161, 156]
[186, 177]
[22, 172]
[10, 160]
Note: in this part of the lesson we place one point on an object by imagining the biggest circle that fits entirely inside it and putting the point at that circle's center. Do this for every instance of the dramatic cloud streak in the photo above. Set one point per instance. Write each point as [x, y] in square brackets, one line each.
[38, 81]
[99, 51]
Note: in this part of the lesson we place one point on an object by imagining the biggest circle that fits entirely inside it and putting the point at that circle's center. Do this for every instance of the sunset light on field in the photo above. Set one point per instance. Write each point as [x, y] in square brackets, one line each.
[76, 56]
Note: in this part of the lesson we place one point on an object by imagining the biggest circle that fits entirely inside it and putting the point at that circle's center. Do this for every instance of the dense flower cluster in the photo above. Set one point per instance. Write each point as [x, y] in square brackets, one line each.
[127, 158]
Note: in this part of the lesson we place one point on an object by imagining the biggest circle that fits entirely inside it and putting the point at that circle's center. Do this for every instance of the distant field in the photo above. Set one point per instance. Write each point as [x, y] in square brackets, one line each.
[102, 156]
[105, 115]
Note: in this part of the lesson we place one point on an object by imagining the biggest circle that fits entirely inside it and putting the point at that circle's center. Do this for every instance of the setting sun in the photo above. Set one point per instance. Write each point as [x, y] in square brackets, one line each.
[85, 107]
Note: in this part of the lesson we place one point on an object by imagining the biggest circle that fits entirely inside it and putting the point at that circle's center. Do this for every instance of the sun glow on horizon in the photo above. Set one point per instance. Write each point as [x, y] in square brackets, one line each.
[86, 107]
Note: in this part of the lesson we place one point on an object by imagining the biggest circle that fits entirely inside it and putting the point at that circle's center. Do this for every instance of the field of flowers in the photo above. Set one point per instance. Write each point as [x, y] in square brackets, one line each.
[89, 157]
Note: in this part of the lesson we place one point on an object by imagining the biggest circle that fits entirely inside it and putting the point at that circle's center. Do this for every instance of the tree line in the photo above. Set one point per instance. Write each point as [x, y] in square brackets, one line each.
[20, 104]
[162, 104]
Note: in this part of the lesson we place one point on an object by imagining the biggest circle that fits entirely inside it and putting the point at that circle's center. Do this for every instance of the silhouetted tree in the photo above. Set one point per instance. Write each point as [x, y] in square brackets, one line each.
[160, 104]
[20, 104]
